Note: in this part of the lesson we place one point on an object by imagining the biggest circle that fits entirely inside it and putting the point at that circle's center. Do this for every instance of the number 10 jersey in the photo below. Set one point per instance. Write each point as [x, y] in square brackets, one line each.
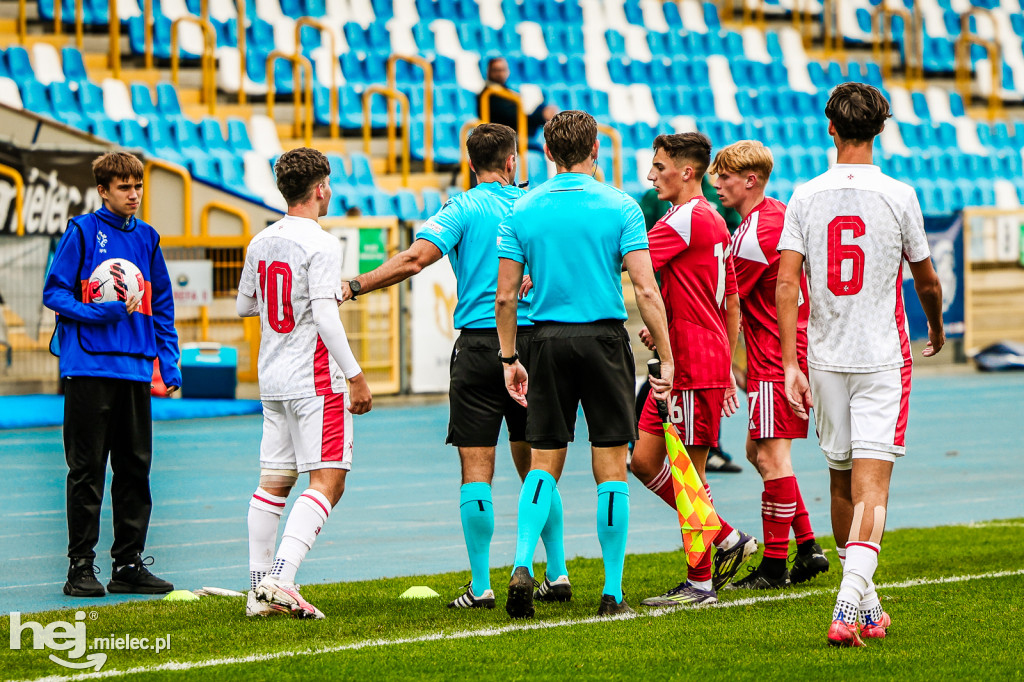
[854, 226]
[288, 265]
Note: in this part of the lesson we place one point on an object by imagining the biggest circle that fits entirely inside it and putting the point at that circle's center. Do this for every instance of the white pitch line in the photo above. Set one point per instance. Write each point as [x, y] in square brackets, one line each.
[515, 627]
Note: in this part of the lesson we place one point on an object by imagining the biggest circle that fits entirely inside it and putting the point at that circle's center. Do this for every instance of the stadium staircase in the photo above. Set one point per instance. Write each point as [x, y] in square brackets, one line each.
[747, 69]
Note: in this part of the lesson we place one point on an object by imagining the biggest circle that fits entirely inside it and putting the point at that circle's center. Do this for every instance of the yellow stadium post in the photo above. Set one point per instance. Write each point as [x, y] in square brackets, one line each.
[324, 28]
[464, 153]
[301, 67]
[186, 180]
[207, 59]
[19, 197]
[241, 50]
[391, 95]
[616, 139]
[115, 39]
[428, 101]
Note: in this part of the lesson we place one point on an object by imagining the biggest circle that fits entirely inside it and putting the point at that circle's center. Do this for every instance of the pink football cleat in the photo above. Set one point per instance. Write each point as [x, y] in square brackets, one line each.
[873, 630]
[840, 633]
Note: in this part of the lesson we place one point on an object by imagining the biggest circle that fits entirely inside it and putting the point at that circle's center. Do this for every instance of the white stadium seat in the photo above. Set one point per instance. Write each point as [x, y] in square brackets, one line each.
[259, 178]
[533, 39]
[46, 63]
[9, 93]
[116, 101]
[263, 133]
[724, 89]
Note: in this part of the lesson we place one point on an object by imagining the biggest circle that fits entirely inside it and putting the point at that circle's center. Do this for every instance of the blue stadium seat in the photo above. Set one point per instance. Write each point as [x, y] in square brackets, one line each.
[167, 101]
[90, 96]
[142, 101]
[132, 135]
[238, 136]
[65, 105]
[74, 66]
[431, 201]
[404, 205]
[360, 173]
[104, 128]
[19, 66]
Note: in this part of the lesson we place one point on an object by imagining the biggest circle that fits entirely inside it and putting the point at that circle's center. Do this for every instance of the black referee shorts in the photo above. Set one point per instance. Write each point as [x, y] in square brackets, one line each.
[571, 364]
[477, 398]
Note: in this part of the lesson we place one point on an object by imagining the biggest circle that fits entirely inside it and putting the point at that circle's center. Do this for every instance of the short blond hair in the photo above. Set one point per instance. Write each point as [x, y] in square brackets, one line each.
[745, 156]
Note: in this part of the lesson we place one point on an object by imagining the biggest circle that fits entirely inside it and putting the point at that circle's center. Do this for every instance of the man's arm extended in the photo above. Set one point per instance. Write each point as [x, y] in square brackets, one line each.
[398, 268]
[652, 310]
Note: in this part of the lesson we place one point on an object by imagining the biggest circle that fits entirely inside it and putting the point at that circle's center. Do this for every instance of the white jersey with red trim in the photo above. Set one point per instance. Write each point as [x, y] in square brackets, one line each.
[854, 226]
[287, 266]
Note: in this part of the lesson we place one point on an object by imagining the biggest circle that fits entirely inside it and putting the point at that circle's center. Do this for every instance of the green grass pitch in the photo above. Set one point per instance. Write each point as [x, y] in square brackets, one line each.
[956, 595]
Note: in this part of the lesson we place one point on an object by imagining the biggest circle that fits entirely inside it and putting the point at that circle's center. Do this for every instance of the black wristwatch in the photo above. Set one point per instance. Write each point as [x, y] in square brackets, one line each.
[509, 361]
[355, 286]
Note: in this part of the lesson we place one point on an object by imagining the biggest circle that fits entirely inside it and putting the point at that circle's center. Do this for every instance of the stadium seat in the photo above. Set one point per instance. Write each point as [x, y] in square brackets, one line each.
[9, 93]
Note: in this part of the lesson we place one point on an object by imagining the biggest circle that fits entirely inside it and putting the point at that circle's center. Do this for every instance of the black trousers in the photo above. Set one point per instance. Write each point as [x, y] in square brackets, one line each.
[108, 416]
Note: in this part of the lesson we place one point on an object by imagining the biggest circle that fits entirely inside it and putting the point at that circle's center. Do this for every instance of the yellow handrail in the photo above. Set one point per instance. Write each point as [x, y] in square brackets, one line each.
[514, 97]
[831, 36]
[963, 61]
[240, 9]
[390, 94]
[208, 58]
[616, 139]
[301, 66]
[323, 28]
[114, 56]
[22, 21]
[755, 16]
[186, 192]
[882, 47]
[19, 196]
[210, 207]
[428, 101]
[803, 21]
[148, 25]
[464, 152]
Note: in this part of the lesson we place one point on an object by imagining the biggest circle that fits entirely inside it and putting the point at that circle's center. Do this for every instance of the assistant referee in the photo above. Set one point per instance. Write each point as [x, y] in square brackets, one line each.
[575, 234]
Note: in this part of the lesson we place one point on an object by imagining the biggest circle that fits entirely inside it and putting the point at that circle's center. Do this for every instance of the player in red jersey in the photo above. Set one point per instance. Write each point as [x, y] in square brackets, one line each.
[742, 171]
[690, 248]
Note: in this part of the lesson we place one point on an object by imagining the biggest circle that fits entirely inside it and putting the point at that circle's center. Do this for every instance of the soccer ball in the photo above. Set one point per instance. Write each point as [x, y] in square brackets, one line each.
[116, 279]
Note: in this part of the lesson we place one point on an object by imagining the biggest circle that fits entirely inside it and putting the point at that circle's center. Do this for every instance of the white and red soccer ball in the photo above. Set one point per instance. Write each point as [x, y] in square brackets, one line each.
[116, 279]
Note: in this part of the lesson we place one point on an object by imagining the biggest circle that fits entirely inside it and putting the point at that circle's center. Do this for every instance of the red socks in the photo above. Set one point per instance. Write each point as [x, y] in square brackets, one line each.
[726, 528]
[778, 506]
[661, 485]
[801, 520]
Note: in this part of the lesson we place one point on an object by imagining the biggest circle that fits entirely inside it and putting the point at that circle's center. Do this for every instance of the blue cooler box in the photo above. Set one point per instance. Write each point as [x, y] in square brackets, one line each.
[208, 370]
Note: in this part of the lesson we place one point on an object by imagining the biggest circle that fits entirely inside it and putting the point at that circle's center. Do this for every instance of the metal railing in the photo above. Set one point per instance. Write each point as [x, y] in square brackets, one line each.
[832, 37]
[186, 190]
[964, 67]
[302, 93]
[392, 96]
[913, 60]
[514, 97]
[58, 21]
[428, 101]
[755, 16]
[803, 21]
[19, 197]
[208, 59]
[464, 153]
[240, 9]
[616, 139]
[114, 55]
[335, 107]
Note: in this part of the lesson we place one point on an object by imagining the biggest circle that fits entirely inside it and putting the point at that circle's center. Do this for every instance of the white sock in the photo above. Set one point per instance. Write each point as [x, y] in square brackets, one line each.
[307, 517]
[870, 606]
[858, 575]
[702, 584]
[841, 551]
[264, 516]
[730, 540]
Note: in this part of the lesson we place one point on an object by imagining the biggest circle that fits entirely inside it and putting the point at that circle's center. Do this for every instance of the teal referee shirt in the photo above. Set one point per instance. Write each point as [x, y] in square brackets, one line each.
[572, 233]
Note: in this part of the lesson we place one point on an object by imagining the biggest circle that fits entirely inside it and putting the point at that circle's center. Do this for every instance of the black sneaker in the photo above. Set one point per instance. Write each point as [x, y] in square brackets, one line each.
[720, 462]
[82, 579]
[135, 578]
[520, 593]
[468, 600]
[554, 590]
[610, 607]
[808, 564]
[727, 562]
[756, 580]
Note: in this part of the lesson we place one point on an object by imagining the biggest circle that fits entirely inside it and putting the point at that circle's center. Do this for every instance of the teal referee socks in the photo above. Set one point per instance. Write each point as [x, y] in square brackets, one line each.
[551, 535]
[477, 513]
[534, 508]
[612, 527]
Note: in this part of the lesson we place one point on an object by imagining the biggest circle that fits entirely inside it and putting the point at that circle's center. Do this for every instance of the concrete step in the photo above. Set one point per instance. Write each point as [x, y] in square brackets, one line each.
[10, 39]
[223, 111]
[417, 181]
[129, 75]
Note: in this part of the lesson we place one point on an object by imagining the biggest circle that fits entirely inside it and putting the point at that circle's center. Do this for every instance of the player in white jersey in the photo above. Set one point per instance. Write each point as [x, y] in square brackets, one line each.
[850, 229]
[292, 281]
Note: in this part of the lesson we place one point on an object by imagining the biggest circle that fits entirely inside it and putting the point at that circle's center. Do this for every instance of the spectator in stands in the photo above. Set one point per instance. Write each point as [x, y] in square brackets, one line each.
[503, 111]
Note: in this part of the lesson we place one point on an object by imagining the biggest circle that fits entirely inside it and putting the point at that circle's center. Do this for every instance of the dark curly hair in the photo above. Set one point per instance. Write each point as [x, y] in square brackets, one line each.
[298, 172]
[858, 111]
[692, 147]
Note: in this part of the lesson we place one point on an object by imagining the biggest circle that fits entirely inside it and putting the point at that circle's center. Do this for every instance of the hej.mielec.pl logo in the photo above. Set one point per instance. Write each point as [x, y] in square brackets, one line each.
[72, 638]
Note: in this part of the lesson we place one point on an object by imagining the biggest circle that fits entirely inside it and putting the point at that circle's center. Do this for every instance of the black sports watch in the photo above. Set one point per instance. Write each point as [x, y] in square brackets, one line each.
[355, 286]
[509, 361]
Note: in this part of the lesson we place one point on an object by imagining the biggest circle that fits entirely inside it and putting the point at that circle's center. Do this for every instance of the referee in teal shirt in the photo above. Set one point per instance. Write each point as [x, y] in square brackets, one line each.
[466, 230]
[575, 234]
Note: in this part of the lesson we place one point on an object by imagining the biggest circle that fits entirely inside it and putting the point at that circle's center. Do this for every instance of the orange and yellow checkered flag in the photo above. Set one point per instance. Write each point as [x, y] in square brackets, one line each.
[698, 521]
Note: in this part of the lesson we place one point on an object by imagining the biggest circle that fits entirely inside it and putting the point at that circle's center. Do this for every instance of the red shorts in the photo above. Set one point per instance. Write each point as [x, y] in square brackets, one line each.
[696, 413]
[770, 413]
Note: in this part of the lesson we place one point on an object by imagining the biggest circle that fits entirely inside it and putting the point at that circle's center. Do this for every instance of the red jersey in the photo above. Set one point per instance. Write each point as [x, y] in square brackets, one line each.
[690, 248]
[756, 259]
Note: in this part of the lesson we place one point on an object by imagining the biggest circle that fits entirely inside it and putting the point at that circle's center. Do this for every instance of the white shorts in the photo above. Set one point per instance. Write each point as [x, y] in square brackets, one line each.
[307, 433]
[861, 415]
